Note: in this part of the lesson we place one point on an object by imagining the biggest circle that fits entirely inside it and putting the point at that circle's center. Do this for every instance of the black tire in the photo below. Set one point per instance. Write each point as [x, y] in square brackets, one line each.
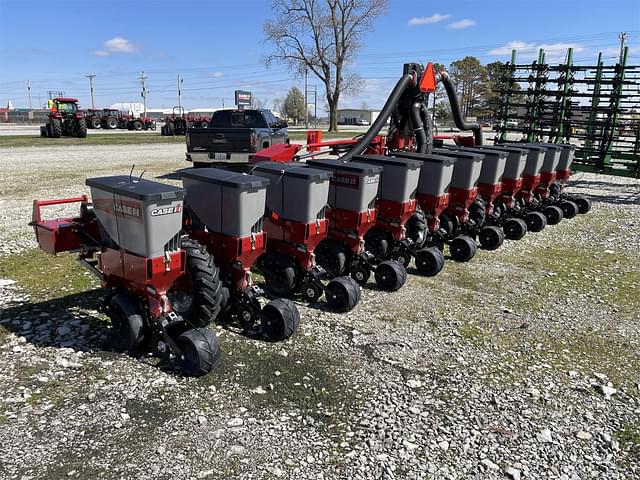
[569, 209]
[137, 125]
[43, 131]
[202, 165]
[94, 122]
[462, 248]
[279, 273]
[200, 352]
[491, 238]
[332, 256]
[55, 128]
[390, 276]
[536, 222]
[128, 323]
[197, 296]
[377, 242]
[553, 214]
[361, 274]
[280, 319]
[81, 128]
[343, 294]
[417, 228]
[584, 204]
[152, 126]
[429, 261]
[515, 228]
[112, 123]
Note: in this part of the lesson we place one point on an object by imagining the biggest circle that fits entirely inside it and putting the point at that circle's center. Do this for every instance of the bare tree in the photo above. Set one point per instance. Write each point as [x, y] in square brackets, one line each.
[322, 36]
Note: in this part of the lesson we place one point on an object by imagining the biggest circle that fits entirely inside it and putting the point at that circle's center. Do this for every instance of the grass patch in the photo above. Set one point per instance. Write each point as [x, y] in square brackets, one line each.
[473, 333]
[629, 439]
[9, 141]
[46, 276]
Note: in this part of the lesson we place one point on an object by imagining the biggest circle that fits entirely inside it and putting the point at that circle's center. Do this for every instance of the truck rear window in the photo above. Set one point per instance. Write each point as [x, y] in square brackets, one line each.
[238, 119]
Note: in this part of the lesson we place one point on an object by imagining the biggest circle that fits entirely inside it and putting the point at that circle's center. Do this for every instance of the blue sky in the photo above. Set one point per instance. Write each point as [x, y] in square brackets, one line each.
[217, 46]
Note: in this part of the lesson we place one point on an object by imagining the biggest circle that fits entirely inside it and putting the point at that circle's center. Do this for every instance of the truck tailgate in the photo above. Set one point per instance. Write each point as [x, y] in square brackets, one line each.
[213, 140]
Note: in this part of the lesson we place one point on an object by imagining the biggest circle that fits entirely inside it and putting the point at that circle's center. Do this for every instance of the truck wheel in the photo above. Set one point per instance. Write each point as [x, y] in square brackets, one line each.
[201, 165]
[56, 128]
[81, 128]
[390, 276]
[128, 323]
[343, 294]
[200, 352]
[280, 318]
[196, 296]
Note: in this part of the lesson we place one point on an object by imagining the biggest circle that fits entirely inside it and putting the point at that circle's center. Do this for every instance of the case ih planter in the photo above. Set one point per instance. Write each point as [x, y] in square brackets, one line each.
[351, 214]
[396, 204]
[65, 119]
[225, 212]
[295, 224]
[163, 291]
[563, 172]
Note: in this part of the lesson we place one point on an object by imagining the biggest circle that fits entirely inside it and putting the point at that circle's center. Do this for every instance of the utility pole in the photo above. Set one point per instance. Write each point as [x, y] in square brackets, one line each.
[623, 40]
[315, 106]
[29, 93]
[142, 78]
[306, 103]
[179, 93]
[91, 77]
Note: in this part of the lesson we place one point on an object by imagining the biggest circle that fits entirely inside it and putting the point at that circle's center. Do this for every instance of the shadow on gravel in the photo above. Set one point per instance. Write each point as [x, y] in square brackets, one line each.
[629, 193]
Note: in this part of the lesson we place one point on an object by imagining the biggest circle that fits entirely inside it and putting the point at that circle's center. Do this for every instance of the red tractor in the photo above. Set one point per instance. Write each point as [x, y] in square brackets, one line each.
[110, 118]
[178, 122]
[141, 123]
[65, 118]
[93, 117]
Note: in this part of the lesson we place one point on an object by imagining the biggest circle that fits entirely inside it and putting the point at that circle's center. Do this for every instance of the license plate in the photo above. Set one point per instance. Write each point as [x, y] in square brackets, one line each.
[218, 156]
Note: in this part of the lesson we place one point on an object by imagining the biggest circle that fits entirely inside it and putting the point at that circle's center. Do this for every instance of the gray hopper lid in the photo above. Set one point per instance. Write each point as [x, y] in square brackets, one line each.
[528, 146]
[427, 157]
[226, 178]
[485, 152]
[335, 164]
[296, 170]
[557, 145]
[546, 145]
[138, 188]
[503, 148]
[384, 160]
[459, 153]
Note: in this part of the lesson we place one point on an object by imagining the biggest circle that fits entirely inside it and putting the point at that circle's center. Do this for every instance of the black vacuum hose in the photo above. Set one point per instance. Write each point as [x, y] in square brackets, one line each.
[418, 127]
[455, 109]
[385, 113]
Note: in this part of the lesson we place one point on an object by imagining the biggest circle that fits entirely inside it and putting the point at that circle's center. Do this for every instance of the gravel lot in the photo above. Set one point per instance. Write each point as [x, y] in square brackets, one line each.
[523, 363]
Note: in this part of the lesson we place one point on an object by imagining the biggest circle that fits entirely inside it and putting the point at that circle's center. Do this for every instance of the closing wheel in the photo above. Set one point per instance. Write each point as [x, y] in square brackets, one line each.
[584, 204]
[361, 274]
[332, 256]
[342, 294]
[515, 228]
[196, 296]
[311, 292]
[462, 248]
[128, 323]
[279, 274]
[429, 261]
[280, 318]
[447, 223]
[200, 351]
[569, 209]
[417, 228]
[536, 221]
[553, 214]
[402, 256]
[377, 242]
[390, 276]
[491, 238]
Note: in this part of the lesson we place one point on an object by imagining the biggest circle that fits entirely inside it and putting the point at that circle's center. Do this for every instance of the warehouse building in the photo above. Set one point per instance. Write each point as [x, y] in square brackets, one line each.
[357, 116]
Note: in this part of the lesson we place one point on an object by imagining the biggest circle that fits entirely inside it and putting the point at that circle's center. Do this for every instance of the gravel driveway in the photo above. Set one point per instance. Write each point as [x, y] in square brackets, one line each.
[523, 363]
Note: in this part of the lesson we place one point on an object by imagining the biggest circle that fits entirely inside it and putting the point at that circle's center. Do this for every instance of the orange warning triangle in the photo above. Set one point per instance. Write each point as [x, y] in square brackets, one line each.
[428, 80]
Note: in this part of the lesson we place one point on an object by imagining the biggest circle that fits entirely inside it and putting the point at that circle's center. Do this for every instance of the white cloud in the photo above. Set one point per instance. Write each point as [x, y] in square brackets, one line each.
[217, 74]
[435, 18]
[615, 51]
[554, 52]
[465, 23]
[117, 45]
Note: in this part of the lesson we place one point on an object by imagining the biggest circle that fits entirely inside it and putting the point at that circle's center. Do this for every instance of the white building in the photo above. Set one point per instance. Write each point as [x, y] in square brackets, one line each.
[357, 116]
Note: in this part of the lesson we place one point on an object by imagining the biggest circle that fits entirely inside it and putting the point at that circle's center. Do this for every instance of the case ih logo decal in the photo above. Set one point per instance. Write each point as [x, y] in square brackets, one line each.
[156, 212]
[121, 208]
[353, 181]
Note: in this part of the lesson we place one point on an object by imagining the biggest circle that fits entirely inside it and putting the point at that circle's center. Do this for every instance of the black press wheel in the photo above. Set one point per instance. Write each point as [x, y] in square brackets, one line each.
[361, 274]
[402, 256]
[584, 204]
[536, 221]
[377, 242]
[128, 323]
[429, 261]
[417, 228]
[279, 273]
[200, 352]
[342, 294]
[196, 296]
[491, 237]
[390, 276]
[514, 229]
[553, 214]
[280, 318]
[569, 209]
[462, 248]
[332, 256]
[310, 291]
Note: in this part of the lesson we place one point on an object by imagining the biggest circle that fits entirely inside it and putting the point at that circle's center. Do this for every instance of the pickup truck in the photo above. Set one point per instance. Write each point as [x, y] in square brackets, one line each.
[234, 136]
